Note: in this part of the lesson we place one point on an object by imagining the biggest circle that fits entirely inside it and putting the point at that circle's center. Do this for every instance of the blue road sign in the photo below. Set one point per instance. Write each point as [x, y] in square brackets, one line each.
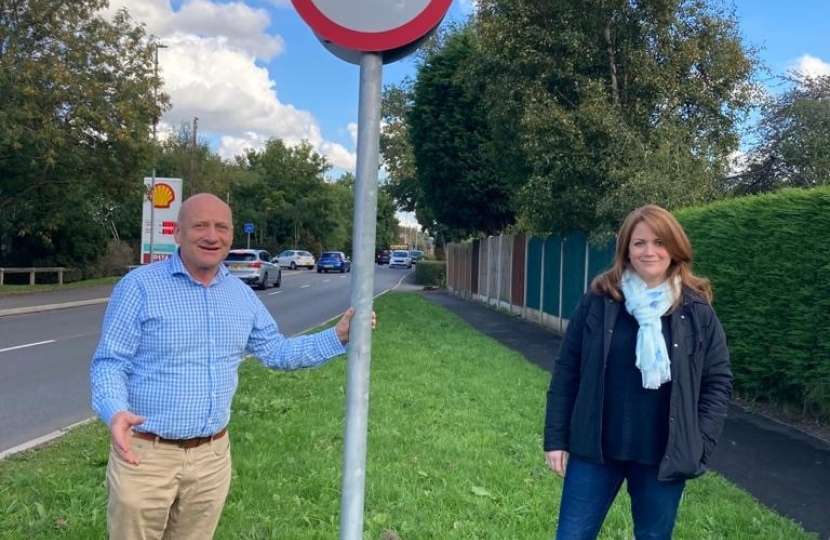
[249, 228]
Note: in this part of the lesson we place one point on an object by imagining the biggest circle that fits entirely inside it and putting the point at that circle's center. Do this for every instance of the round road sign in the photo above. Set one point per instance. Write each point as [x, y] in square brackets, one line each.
[372, 25]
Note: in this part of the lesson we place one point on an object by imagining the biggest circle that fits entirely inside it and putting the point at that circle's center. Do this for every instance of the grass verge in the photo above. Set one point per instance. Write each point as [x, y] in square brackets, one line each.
[454, 452]
[8, 290]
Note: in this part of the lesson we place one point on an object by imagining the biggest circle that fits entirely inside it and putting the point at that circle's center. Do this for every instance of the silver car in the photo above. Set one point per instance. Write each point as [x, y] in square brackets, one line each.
[400, 258]
[254, 267]
[295, 258]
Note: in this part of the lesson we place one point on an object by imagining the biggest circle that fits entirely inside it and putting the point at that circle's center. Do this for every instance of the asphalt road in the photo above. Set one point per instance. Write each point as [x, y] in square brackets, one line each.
[44, 356]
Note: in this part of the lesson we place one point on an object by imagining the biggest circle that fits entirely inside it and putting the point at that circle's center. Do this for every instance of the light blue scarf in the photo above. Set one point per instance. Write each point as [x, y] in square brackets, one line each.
[647, 306]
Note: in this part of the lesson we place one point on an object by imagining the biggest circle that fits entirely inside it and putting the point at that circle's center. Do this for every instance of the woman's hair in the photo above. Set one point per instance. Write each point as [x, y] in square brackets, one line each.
[667, 229]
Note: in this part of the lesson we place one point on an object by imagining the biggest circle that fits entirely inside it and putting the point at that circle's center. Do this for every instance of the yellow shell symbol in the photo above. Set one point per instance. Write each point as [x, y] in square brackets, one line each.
[162, 196]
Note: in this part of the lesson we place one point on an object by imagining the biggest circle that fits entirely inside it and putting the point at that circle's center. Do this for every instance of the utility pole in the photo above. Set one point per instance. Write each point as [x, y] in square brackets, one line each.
[193, 187]
[155, 157]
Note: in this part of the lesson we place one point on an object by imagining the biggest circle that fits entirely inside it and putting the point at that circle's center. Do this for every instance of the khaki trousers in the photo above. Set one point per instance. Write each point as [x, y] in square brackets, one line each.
[173, 494]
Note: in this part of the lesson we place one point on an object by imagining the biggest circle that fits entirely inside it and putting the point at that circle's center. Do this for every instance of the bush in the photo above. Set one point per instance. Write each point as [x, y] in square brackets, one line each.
[768, 258]
[116, 261]
[431, 273]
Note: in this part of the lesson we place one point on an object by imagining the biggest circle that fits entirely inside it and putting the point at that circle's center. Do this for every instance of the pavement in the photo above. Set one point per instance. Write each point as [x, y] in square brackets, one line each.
[783, 467]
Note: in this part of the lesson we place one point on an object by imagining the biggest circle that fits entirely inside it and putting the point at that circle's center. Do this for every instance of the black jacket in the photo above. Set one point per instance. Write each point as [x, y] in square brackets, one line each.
[701, 384]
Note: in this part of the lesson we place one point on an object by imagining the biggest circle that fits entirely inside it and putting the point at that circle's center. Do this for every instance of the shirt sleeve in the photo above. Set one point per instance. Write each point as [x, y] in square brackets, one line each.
[279, 352]
[113, 359]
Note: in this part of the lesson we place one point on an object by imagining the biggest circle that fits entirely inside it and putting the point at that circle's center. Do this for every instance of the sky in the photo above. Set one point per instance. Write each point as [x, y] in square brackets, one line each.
[252, 70]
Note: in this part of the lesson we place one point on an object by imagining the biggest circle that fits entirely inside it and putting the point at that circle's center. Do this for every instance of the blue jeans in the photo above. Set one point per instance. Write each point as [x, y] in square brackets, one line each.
[590, 488]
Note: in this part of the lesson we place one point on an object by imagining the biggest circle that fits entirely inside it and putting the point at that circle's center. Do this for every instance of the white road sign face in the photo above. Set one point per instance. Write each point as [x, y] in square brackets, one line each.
[372, 15]
[372, 25]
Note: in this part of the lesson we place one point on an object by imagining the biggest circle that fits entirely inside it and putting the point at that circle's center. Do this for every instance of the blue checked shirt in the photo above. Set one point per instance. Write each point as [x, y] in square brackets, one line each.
[170, 349]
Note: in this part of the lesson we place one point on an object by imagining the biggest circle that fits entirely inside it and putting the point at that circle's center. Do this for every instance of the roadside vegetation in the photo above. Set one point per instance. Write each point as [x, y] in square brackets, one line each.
[6, 290]
[454, 452]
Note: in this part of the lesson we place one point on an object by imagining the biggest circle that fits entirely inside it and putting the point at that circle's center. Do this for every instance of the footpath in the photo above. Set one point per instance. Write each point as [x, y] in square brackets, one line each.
[784, 468]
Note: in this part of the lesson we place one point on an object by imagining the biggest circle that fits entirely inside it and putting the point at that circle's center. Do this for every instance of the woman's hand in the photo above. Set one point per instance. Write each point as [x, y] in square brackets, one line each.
[557, 461]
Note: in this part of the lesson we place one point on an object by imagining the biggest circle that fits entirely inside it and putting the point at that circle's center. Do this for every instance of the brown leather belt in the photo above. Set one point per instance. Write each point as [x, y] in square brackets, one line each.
[181, 443]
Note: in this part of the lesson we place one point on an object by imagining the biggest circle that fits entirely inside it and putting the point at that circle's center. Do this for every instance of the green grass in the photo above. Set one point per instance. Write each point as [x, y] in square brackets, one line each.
[454, 452]
[7, 290]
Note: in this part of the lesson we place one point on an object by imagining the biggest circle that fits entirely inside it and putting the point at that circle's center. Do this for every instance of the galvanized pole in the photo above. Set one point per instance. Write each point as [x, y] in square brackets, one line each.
[153, 180]
[363, 276]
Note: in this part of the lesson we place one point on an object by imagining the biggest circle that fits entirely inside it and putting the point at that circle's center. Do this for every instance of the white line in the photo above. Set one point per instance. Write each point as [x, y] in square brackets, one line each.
[27, 345]
[273, 293]
[305, 286]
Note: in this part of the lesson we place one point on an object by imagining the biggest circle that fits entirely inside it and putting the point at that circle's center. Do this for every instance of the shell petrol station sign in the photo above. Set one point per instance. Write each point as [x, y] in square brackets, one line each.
[158, 221]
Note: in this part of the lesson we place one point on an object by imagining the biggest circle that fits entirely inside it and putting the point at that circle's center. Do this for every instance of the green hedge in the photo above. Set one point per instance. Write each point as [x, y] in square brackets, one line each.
[431, 273]
[768, 258]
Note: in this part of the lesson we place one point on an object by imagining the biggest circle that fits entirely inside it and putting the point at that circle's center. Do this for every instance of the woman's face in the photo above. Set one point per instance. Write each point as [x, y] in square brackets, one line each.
[648, 256]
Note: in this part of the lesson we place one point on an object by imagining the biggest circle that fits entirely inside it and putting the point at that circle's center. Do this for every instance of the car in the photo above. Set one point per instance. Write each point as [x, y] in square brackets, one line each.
[400, 258]
[416, 255]
[333, 260]
[382, 256]
[295, 258]
[254, 267]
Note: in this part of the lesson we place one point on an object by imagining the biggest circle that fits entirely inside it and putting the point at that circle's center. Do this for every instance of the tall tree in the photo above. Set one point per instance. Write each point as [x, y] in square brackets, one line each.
[455, 155]
[288, 198]
[613, 103]
[78, 96]
[396, 147]
[793, 137]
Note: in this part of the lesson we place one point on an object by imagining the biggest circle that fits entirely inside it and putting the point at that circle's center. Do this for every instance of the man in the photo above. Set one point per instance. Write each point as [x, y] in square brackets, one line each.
[165, 371]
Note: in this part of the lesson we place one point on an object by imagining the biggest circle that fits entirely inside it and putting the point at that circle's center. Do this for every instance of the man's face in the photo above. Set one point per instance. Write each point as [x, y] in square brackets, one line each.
[204, 233]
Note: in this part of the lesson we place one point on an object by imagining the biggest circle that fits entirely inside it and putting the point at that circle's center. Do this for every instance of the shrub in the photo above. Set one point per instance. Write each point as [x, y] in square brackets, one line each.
[768, 258]
[431, 273]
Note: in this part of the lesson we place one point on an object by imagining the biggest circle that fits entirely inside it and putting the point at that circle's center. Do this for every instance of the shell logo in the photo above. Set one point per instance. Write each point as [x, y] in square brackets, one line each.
[162, 196]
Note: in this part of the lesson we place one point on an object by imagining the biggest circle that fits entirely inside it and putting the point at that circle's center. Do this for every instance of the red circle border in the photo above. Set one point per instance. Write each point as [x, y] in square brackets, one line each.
[388, 40]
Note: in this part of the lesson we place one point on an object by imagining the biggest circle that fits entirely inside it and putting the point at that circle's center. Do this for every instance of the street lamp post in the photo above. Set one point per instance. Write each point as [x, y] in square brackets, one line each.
[153, 177]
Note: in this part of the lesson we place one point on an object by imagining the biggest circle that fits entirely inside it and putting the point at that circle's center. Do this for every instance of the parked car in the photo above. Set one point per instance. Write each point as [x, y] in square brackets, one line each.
[416, 255]
[295, 258]
[333, 260]
[382, 256]
[400, 258]
[254, 267]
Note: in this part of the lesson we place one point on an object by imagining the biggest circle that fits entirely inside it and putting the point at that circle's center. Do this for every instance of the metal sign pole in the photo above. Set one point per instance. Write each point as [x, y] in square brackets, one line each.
[363, 276]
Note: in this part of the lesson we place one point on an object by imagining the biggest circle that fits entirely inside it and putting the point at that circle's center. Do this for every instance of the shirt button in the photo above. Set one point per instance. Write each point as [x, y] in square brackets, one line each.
[675, 345]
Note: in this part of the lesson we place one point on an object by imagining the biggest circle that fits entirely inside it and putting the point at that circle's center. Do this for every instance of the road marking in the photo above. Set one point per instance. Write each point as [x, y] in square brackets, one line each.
[27, 345]
[273, 293]
[305, 286]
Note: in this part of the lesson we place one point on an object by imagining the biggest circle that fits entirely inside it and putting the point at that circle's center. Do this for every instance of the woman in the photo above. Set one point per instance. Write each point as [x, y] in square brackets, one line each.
[640, 388]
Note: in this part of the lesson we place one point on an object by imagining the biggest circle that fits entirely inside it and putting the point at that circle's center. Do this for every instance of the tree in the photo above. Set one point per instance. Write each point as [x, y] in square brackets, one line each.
[396, 147]
[454, 153]
[612, 104]
[793, 137]
[78, 96]
[288, 198]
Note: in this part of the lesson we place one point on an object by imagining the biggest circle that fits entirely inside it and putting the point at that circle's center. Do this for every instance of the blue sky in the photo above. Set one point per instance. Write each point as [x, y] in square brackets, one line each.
[252, 69]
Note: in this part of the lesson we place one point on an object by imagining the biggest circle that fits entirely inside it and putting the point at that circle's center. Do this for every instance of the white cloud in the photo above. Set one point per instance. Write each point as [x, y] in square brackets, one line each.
[212, 70]
[812, 66]
[352, 127]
